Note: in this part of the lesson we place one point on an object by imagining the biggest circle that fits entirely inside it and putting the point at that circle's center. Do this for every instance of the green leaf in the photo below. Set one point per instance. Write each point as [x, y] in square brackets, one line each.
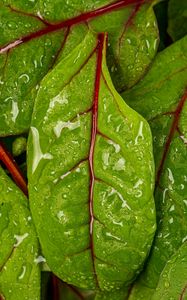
[19, 272]
[91, 174]
[54, 29]
[177, 19]
[173, 283]
[161, 98]
[133, 43]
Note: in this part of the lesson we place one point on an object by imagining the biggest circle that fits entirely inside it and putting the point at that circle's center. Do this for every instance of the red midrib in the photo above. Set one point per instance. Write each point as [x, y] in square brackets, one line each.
[130, 20]
[174, 126]
[13, 168]
[100, 46]
[69, 22]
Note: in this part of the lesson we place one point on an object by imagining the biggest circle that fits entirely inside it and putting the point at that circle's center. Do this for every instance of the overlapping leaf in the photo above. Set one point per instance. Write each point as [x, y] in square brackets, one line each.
[161, 97]
[172, 283]
[91, 174]
[177, 16]
[19, 271]
[34, 34]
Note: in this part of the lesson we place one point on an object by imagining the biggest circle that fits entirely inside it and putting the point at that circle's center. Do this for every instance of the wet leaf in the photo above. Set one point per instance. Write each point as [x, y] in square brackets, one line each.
[161, 97]
[91, 174]
[173, 280]
[19, 273]
[54, 28]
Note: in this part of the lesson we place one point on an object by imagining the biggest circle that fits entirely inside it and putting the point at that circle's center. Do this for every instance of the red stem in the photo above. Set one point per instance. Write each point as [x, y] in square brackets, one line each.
[174, 127]
[55, 287]
[13, 168]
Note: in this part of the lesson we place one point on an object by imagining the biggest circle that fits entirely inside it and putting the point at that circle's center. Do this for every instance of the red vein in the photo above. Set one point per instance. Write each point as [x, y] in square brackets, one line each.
[100, 46]
[183, 293]
[9, 257]
[168, 113]
[38, 17]
[129, 23]
[61, 47]
[13, 168]
[70, 22]
[174, 127]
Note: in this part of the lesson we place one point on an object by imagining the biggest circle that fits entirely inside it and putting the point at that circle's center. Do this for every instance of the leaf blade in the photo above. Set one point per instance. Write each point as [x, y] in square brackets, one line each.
[83, 136]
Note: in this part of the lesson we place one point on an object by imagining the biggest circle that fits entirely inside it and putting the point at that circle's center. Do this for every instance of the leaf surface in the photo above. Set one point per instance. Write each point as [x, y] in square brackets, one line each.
[55, 28]
[173, 280]
[91, 174]
[161, 97]
[19, 272]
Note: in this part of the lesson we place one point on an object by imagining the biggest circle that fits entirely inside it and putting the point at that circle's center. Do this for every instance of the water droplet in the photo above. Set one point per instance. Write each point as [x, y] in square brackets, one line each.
[25, 78]
[22, 273]
[105, 158]
[170, 175]
[48, 42]
[64, 175]
[166, 284]
[14, 111]
[148, 44]
[113, 236]
[37, 152]
[119, 165]
[140, 133]
[39, 259]
[69, 125]
[12, 25]
[184, 239]
[116, 146]
[19, 239]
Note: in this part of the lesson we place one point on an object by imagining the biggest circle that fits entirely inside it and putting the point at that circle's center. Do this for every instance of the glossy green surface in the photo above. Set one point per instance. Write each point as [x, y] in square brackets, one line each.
[19, 271]
[59, 177]
[160, 99]
[173, 280]
[23, 67]
[132, 43]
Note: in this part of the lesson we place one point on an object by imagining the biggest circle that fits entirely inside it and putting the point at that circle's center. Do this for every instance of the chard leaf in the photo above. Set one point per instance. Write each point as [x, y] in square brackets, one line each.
[177, 19]
[91, 174]
[19, 273]
[161, 98]
[53, 28]
[171, 284]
